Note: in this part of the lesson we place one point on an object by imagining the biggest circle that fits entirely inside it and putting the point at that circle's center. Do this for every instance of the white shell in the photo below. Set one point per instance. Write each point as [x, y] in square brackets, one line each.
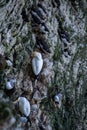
[9, 85]
[58, 97]
[9, 63]
[24, 106]
[13, 81]
[37, 63]
[23, 119]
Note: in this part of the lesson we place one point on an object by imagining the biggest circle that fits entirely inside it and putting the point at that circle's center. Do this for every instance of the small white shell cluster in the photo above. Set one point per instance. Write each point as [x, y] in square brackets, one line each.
[10, 84]
[39, 16]
[24, 106]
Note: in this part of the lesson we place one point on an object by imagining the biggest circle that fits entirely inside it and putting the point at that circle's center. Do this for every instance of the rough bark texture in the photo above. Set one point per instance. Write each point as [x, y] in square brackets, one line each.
[64, 70]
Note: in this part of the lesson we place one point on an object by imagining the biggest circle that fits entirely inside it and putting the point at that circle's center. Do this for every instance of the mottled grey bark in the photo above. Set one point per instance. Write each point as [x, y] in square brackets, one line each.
[64, 70]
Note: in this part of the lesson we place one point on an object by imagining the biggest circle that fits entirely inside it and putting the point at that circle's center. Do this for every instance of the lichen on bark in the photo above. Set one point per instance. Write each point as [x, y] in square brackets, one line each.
[64, 72]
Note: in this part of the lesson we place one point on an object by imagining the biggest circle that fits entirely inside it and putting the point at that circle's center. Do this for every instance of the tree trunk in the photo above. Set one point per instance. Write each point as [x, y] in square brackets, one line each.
[57, 30]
